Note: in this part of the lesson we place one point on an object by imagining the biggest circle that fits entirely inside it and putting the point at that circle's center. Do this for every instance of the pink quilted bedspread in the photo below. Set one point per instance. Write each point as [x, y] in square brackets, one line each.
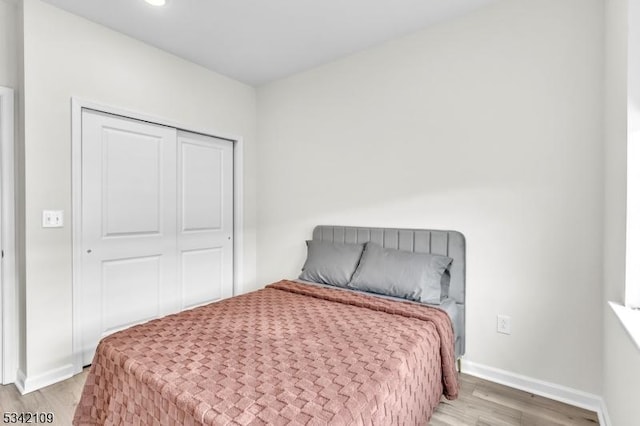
[287, 354]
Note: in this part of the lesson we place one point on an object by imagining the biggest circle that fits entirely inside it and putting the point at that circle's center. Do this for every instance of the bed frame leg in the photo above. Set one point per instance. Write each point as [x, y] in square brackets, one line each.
[459, 365]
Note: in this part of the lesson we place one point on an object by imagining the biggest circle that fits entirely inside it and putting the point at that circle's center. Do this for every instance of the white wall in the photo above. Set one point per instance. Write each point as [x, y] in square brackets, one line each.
[621, 366]
[8, 44]
[490, 124]
[66, 56]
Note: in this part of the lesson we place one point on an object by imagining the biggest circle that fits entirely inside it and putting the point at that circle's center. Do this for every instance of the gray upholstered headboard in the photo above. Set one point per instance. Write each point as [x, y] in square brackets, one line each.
[448, 243]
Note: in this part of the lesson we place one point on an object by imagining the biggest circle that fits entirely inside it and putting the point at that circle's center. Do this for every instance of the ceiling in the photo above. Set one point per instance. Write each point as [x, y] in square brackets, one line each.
[257, 41]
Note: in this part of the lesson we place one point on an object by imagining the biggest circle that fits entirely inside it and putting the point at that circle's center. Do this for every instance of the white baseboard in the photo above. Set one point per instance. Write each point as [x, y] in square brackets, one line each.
[26, 384]
[539, 387]
[20, 378]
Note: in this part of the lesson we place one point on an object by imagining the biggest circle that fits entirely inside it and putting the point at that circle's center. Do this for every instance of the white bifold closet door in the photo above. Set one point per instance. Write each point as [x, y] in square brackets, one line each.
[157, 223]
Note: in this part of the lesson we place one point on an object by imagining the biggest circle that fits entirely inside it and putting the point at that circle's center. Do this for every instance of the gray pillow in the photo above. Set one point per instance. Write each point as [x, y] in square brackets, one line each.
[331, 263]
[413, 276]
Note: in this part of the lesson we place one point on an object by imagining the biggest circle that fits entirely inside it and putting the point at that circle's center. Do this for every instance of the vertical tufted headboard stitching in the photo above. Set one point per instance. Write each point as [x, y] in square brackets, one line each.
[447, 243]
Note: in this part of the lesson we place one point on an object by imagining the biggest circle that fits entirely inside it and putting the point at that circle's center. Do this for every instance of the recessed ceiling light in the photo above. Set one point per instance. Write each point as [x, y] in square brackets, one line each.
[156, 2]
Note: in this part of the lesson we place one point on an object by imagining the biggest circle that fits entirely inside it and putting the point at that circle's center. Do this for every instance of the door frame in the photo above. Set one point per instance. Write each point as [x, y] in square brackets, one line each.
[8, 289]
[79, 104]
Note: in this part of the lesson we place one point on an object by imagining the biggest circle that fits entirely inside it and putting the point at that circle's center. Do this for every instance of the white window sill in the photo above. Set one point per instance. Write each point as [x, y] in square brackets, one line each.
[630, 320]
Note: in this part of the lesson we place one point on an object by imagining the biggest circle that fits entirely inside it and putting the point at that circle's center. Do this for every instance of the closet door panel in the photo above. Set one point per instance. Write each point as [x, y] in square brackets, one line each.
[129, 257]
[205, 197]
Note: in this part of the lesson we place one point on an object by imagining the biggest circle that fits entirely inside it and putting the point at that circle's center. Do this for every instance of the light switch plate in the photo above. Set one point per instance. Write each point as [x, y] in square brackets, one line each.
[52, 218]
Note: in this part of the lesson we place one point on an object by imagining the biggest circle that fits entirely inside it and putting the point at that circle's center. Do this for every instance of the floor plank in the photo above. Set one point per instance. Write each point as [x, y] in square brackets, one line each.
[481, 403]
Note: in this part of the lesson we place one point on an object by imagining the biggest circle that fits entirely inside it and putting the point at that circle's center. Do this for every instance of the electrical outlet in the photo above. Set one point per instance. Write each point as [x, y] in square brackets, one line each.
[52, 219]
[504, 324]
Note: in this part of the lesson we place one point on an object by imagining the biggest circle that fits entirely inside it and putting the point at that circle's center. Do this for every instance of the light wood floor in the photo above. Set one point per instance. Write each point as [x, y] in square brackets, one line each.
[59, 399]
[480, 403]
[483, 403]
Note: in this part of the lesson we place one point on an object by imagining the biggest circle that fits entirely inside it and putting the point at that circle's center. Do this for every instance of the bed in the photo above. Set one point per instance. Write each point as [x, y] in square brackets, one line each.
[294, 352]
